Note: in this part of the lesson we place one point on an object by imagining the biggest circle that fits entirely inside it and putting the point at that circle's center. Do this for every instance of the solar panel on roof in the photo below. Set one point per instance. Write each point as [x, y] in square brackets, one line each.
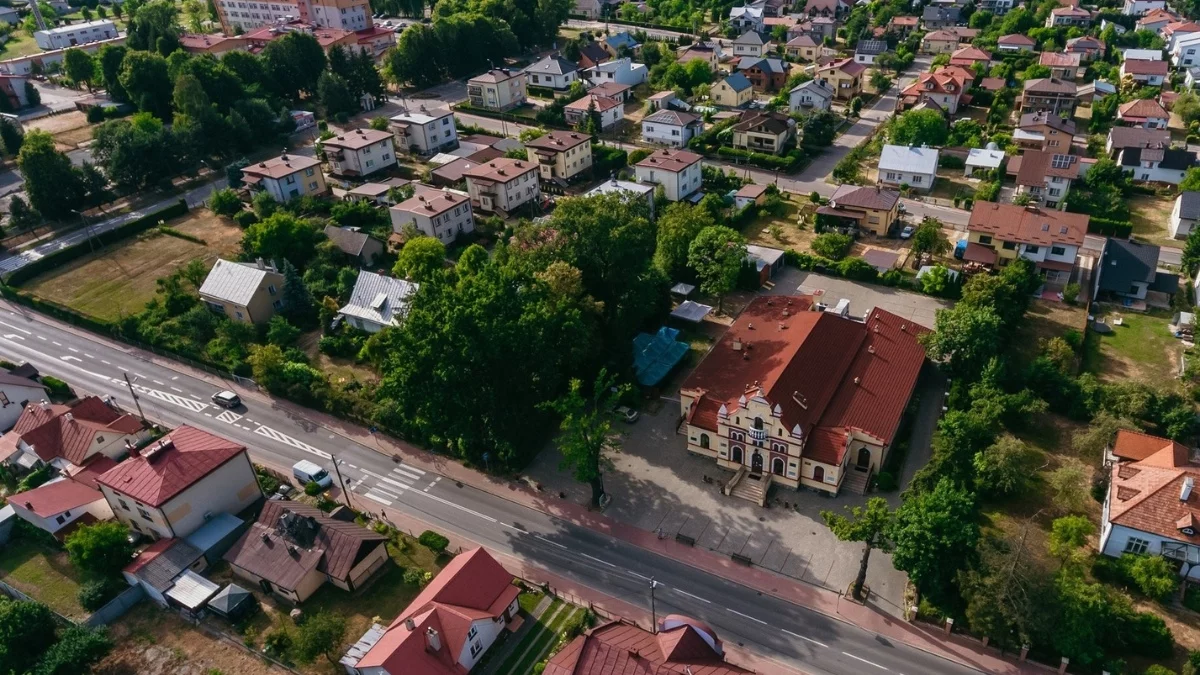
[1061, 161]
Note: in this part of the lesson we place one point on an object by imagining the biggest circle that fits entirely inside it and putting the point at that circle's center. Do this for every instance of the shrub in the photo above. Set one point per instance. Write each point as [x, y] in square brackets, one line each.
[832, 245]
[95, 115]
[57, 387]
[312, 489]
[277, 642]
[268, 483]
[245, 219]
[225, 203]
[885, 481]
[433, 541]
[1192, 665]
[94, 594]
[857, 269]
[1159, 670]
[638, 155]
[34, 478]
[1153, 576]
[414, 576]
[1071, 293]
[1147, 635]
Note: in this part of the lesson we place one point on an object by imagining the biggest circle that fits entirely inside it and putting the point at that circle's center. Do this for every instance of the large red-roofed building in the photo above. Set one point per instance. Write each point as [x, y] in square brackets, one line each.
[682, 646]
[70, 437]
[177, 483]
[801, 397]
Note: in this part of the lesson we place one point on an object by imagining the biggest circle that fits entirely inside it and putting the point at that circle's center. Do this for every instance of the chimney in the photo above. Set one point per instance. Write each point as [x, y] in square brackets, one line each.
[260, 263]
[1186, 490]
[29, 506]
[410, 624]
[69, 417]
[266, 538]
[433, 640]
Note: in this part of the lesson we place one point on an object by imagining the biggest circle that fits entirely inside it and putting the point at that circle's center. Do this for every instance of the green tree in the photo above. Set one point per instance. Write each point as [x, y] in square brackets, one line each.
[26, 632]
[281, 236]
[79, 67]
[294, 63]
[139, 152]
[1068, 535]
[298, 305]
[225, 202]
[145, 79]
[281, 333]
[1006, 468]
[21, 215]
[321, 634]
[880, 82]
[678, 226]
[12, 137]
[77, 650]
[928, 237]
[869, 525]
[100, 550]
[716, 255]
[54, 186]
[110, 59]
[335, 96]
[819, 128]
[586, 428]
[421, 259]
[832, 245]
[934, 536]
[414, 59]
[937, 281]
[963, 339]
[154, 26]
[919, 127]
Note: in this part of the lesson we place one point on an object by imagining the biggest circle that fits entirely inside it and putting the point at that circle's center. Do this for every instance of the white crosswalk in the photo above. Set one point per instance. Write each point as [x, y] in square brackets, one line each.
[288, 440]
[229, 417]
[386, 489]
[173, 399]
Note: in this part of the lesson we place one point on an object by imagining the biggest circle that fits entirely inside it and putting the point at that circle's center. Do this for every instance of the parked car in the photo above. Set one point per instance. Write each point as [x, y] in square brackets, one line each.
[307, 472]
[627, 414]
[283, 493]
[226, 399]
[906, 232]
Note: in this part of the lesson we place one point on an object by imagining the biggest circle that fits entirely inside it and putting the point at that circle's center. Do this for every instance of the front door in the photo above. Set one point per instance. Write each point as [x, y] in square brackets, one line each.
[777, 466]
[756, 463]
[737, 454]
[864, 459]
[819, 474]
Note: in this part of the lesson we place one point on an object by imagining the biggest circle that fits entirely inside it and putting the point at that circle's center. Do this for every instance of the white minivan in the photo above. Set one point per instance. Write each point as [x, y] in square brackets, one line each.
[309, 472]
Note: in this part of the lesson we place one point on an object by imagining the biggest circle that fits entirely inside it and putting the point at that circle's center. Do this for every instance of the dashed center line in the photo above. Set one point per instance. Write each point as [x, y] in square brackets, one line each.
[694, 597]
[594, 558]
[802, 637]
[869, 663]
[746, 616]
[72, 350]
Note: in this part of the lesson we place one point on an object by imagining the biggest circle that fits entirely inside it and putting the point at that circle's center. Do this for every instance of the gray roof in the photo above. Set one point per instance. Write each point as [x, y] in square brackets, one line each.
[672, 117]
[554, 64]
[18, 381]
[871, 47]
[618, 186]
[1125, 262]
[350, 240]
[210, 534]
[229, 599]
[379, 299]
[909, 159]
[738, 82]
[934, 13]
[161, 571]
[234, 281]
[1189, 205]
[192, 590]
[817, 86]
[750, 37]
[1169, 158]
[772, 65]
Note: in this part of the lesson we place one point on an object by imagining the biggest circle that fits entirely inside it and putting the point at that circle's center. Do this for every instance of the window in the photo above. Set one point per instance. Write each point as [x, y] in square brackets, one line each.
[1009, 246]
[472, 633]
[1032, 249]
[60, 520]
[123, 504]
[278, 304]
[1136, 546]
[271, 289]
[308, 171]
[917, 180]
[145, 515]
[985, 239]
[290, 180]
[475, 649]
[1058, 250]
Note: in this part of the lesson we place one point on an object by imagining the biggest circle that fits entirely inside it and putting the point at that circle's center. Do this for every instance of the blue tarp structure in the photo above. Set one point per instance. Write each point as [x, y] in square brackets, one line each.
[654, 356]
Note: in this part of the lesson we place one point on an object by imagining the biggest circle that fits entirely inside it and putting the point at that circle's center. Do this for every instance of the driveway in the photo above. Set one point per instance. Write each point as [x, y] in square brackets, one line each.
[921, 309]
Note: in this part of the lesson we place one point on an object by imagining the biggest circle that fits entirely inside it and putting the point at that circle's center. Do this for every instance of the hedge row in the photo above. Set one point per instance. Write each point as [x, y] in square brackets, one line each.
[133, 227]
[786, 162]
[1110, 228]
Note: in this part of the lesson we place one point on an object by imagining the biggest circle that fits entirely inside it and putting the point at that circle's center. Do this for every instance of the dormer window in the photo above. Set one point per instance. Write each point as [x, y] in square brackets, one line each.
[1189, 531]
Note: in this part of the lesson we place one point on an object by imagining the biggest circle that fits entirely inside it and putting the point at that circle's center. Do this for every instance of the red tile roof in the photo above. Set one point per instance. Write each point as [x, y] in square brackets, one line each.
[473, 586]
[1136, 446]
[1140, 67]
[1145, 495]
[1059, 60]
[52, 499]
[51, 433]
[1034, 166]
[1016, 39]
[848, 66]
[619, 648]
[188, 454]
[148, 554]
[93, 468]
[970, 55]
[669, 160]
[1141, 109]
[1028, 224]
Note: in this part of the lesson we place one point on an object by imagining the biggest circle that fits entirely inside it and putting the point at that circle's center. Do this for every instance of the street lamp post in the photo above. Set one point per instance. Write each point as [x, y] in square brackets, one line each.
[341, 481]
[653, 612]
[136, 402]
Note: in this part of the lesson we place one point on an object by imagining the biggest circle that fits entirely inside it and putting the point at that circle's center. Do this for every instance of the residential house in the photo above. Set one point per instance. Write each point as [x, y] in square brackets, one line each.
[1096, 90]
[1015, 42]
[997, 234]
[811, 95]
[983, 159]
[709, 52]
[941, 89]
[69, 437]
[1184, 214]
[827, 8]
[424, 132]
[621, 44]
[751, 43]
[293, 549]
[1140, 7]
[748, 194]
[996, 7]
[1044, 131]
[16, 391]
[677, 171]
[1155, 20]
[1142, 55]
[969, 56]
[1128, 270]
[940, 42]
[902, 25]
[1185, 51]
[681, 645]
[1151, 501]
[825, 402]
[504, 185]
[1179, 31]
[871, 208]
[561, 155]
[1044, 175]
[286, 177]
[591, 54]
[766, 132]
[442, 214]
[10, 16]
[244, 292]
[845, 77]
[1069, 16]
[866, 51]
[1191, 78]
[552, 72]
[819, 28]
[936, 17]
[746, 18]
[176, 484]
[1047, 94]
[622, 93]
[621, 71]
[1063, 66]
[671, 127]
[156, 568]
[667, 100]
[906, 165]
[1149, 73]
[734, 91]
[1087, 47]
[592, 9]
[1120, 138]
[803, 47]
[357, 245]
[767, 75]
[1157, 165]
[378, 302]
[360, 152]
[447, 628]
[60, 506]
[629, 189]
[497, 89]
[610, 110]
[1146, 113]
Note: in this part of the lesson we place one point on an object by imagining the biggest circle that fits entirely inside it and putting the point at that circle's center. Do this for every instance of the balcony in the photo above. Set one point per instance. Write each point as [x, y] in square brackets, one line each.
[758, 434]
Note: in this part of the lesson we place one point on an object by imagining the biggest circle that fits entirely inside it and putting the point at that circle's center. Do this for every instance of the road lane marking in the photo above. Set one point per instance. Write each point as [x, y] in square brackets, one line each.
[27, 332]
[14, 336]
[229, 417]
[166, 397]
[72, 350]
[694, 597]
[869, 663]
[802, 637]
[405, 474]
[208, 414]
[177, 389]
[123, 368]
[159, 382]
[59, 344]
[640, 576]
[552, 543]
[746, 616]
[386, 493]
[105, 362]
[71, 358]
[88, 355]
[603, 562]
[381, 500]
[42, 338]
[513, 527]
[288, 440]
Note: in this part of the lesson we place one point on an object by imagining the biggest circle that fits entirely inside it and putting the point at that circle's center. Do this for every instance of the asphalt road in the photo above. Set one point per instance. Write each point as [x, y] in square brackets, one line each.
[789, 633]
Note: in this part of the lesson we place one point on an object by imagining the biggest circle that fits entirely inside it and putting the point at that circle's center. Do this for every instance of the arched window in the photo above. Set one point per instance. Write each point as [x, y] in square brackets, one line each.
[736, 454]
[704, 441]
[819, 474]
[777, 466]
[758, 423]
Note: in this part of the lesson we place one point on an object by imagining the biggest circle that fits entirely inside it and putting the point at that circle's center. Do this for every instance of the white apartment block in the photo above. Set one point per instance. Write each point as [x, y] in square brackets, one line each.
[349, 15]
[424, 133]
[286, 177]
[677, 171]
[503, 184]
[441, 214]
[360, 152]
[75, 34]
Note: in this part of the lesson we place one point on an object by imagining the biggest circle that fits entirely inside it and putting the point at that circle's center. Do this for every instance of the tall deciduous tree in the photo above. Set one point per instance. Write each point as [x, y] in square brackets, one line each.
[294, 63]
[26, 632]
[77, 650]
[867, 524]
[919, 127]
[155, 27]
[678, 226]
[144, 77]
[80, 67]
[52, 183]
[281, 236]
[321, 635]
[963, 339]
[717, 255]
[110, 58]
[934, 536]
[100, 550]
[421, 259]
[587, 428]
[298, 305]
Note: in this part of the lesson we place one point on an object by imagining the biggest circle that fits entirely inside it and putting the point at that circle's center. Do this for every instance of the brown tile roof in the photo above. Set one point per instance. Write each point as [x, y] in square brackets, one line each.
[498, 75]
[1016, 39]
[669, 160]
[291, 539]
[1059, 60]
[501, 169]
[620, 648]
[281, 166]
[1049, 85]
[1140, 67]
[52, 433]
[867, 197]
[801, 41]
[432, 202]
[452, 172]
[610, 89]
[1028, 224]
[764, 122]
[904, 21]
[848, 66]
[1145, 495]
[603, 103]
[1135, 137]
[558, 141]
[941, 36]
[1037, 119]
[1033, 167]
[52, 499]
[1137, 446]
[357, 139]
[993, 83]
[1142, 108]
[171, 465]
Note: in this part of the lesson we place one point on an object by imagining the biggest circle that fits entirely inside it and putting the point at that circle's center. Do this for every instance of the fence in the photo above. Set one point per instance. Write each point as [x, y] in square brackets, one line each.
[18, 595]
[116, 608]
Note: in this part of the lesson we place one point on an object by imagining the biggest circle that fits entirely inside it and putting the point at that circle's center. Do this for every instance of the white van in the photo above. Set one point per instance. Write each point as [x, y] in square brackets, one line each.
[309, 472]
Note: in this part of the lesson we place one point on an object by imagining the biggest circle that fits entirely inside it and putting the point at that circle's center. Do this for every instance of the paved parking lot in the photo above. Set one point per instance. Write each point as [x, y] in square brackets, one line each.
[863, 297]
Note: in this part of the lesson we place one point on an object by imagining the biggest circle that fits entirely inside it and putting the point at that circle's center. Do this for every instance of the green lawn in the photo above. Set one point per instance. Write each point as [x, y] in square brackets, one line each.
[42, 573]
[529, 600]
[540, 639]
[1150, 216]
[20, 43]
[1140, 348]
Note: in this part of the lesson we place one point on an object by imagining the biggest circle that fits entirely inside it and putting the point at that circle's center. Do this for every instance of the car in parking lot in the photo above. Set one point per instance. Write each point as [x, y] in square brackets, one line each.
[627, 414]
[906, 232]
[226, 399]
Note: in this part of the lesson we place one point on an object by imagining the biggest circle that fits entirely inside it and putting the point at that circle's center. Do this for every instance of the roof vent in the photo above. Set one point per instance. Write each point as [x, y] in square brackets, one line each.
[69, 417]
[737, 344]
[293, 551]
[1186, 490]
[857, 380]
[903, 327]
[410, 624]
[29, 505]
[266, 538]
[870, 349]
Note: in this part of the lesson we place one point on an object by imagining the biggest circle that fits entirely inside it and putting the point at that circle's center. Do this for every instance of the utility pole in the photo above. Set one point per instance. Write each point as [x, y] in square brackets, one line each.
[653, 614]
[135, 397]
[341, 481]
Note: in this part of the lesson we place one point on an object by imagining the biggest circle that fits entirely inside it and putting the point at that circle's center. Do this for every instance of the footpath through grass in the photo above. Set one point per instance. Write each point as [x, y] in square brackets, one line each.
[540, 640]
